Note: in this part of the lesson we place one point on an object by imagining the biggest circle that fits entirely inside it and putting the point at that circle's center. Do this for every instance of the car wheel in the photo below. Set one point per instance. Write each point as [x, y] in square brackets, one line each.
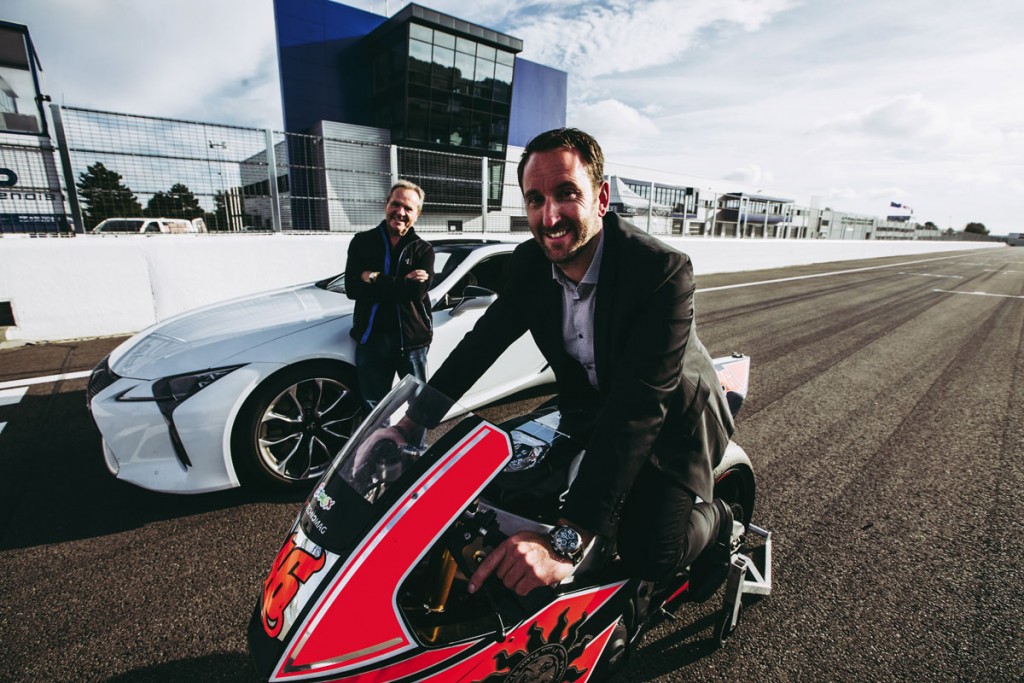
[291, 428]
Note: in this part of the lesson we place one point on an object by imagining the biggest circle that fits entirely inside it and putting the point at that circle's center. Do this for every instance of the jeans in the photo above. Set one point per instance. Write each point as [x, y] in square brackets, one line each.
[380, 358]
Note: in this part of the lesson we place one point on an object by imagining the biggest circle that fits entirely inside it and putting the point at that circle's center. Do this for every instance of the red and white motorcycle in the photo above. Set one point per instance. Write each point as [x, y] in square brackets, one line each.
[371, 582]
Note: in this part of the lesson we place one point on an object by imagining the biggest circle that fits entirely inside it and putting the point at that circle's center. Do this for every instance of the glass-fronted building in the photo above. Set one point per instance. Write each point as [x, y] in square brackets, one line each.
[437, 88]
[429, 82]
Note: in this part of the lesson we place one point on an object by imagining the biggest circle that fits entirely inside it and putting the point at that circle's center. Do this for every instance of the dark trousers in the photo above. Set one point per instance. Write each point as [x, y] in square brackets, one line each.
[380, 358]
[662, 528]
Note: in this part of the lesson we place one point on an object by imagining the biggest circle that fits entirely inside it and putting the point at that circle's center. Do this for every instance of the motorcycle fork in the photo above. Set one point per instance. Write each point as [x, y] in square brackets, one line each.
[442, 568]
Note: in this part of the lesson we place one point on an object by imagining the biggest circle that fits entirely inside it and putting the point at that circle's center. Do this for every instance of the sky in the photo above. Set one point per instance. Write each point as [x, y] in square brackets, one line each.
[850, 105]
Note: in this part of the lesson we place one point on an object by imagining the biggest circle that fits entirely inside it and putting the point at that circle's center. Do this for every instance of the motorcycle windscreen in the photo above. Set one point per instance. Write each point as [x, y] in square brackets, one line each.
[384, 502]
[375, 466]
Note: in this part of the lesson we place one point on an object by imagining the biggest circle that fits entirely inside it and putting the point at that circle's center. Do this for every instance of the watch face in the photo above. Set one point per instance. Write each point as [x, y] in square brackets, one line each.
[566, 540]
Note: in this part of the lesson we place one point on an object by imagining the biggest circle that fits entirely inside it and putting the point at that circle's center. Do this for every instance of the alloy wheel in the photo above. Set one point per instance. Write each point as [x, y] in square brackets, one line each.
[305, 426]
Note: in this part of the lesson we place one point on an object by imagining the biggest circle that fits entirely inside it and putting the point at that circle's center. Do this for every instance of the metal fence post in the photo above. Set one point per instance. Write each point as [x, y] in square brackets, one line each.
[394, 164]
[65, 165]
[275, 198]
[714, 215]
[650, 207]
[483, 194]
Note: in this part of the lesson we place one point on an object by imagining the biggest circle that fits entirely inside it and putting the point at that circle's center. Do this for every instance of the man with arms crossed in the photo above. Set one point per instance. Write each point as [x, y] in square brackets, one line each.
[388, 273]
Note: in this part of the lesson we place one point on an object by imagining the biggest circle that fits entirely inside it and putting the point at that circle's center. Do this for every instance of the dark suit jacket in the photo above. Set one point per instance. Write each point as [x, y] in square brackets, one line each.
[659, 398]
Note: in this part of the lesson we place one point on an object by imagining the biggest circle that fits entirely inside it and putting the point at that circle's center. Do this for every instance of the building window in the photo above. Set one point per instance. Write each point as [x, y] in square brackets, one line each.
[459, 92]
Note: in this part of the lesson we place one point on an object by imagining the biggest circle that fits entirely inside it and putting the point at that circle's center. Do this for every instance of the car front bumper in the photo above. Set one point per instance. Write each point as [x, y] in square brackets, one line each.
[137, 441]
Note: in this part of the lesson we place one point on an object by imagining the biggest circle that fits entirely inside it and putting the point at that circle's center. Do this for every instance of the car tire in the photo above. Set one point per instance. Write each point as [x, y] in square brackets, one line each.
[294, 424]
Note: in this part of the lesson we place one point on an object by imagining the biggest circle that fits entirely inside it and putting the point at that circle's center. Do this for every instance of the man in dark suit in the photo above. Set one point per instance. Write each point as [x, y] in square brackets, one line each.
[611, 309]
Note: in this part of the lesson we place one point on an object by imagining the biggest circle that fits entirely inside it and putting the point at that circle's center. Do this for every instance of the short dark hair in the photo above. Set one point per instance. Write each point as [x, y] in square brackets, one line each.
[571, 139]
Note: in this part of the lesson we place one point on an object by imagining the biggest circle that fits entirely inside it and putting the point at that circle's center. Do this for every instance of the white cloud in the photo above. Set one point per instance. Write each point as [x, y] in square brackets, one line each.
[751, 174]
[914, 118]
[188, 59]
[611, 118]
[590, 40]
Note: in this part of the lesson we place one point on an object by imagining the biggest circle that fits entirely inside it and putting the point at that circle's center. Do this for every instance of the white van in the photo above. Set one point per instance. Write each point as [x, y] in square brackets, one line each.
[149, 226]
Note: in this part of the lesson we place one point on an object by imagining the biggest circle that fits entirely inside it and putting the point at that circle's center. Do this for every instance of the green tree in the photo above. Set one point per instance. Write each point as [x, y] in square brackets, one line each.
[976, 228]
[178, 202]
[105, 196]
[928, 225]
[218, 219]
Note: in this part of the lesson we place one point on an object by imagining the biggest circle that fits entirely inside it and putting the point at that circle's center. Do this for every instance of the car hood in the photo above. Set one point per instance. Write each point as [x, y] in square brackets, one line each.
[215, 335]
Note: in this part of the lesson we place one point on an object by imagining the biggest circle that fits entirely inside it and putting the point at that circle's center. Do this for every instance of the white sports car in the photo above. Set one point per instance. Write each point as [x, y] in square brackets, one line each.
[262, 390]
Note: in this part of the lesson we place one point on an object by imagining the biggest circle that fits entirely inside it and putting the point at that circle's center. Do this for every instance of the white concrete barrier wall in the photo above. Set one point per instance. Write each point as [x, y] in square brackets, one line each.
[95, 286]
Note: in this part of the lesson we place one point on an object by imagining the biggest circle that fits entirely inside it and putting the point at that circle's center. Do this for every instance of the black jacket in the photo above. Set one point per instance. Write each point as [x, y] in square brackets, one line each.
[392, 303]
[659, 398]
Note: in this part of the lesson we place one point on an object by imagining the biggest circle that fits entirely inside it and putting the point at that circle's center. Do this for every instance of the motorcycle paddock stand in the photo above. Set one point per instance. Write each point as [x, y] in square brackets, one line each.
[745, 578]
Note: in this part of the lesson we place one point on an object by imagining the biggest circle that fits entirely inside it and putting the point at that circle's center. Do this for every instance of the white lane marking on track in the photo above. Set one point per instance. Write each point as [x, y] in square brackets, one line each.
[834, 272]
[29, 381]
[952, 277]
[1000, 296]
[9, 397]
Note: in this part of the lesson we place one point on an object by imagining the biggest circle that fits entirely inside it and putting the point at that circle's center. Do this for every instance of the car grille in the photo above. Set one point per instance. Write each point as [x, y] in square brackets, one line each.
[101, 378]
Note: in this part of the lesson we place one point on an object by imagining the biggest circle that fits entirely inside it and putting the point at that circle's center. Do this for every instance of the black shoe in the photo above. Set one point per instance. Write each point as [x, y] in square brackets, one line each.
[711, 567]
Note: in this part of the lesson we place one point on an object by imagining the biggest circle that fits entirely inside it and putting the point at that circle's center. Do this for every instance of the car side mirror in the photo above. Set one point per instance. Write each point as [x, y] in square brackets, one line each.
[474, 297]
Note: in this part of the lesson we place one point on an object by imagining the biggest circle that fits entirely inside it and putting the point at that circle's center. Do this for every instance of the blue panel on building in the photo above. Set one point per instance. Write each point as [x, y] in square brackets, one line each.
[326, 74]
[538, 101]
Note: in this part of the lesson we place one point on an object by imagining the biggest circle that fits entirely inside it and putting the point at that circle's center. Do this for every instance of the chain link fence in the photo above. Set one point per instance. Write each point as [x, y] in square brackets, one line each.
[236, 179]
[231, 179]
[131, 166]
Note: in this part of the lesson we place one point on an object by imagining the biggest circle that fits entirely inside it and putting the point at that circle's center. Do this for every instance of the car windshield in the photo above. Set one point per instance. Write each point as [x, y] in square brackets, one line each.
[447, 258]
[118, 226]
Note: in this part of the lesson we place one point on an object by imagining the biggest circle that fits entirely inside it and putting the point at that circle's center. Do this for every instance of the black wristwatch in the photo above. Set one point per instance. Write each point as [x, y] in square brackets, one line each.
[567, 543]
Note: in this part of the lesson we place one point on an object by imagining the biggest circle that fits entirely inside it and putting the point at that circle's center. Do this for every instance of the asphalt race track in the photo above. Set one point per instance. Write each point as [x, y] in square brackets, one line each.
[885, 420]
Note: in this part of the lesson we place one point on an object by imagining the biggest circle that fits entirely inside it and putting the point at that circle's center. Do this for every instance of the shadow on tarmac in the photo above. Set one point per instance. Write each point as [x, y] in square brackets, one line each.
[225, 667]
[56, 488]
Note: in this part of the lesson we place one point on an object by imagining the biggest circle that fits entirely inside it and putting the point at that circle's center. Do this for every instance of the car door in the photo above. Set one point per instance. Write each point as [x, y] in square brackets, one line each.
[453, 318]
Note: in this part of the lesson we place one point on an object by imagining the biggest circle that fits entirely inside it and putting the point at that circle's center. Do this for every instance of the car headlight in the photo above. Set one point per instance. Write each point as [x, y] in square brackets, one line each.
[100, 378]
[171, 391]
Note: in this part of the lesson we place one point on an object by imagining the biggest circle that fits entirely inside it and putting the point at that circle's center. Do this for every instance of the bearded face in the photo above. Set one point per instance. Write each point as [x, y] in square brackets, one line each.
[563, 208]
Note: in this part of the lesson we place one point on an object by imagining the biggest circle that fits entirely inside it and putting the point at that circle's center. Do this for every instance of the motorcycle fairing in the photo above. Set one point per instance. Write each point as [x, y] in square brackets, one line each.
[561, 642]
[292, 581]
[734, 373]
[356, 621]
[557, 644]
